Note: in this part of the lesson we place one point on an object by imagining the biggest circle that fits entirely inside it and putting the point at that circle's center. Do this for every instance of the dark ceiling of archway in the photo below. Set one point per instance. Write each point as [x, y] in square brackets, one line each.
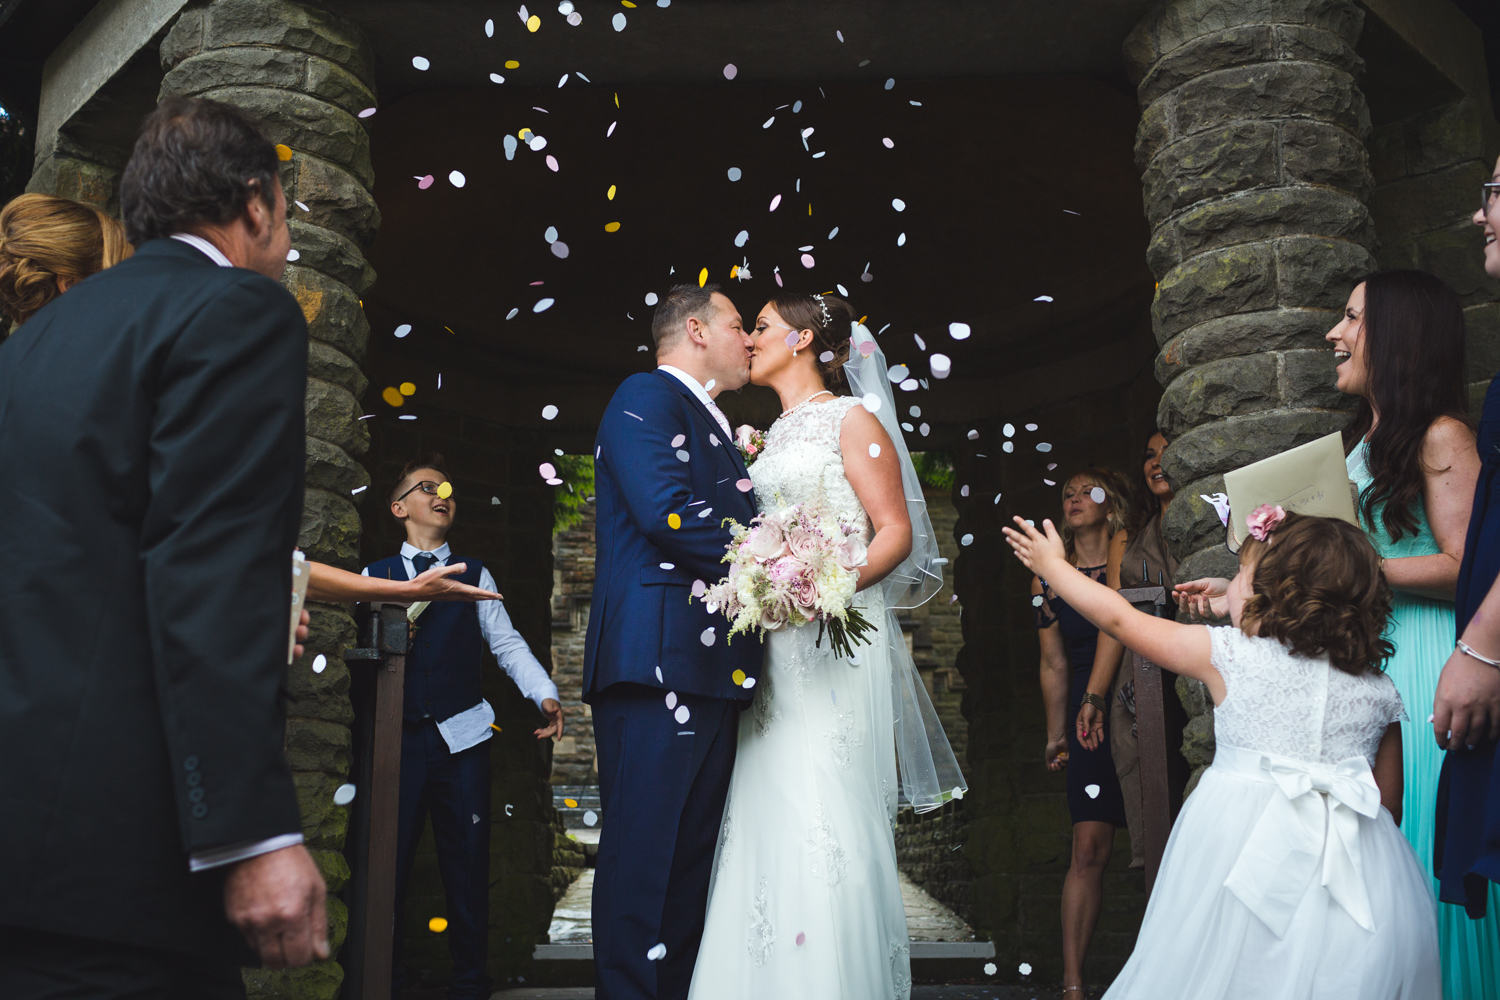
[991, 172]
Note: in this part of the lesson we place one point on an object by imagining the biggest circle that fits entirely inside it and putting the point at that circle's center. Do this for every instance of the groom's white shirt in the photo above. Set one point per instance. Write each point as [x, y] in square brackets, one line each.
[702, 394]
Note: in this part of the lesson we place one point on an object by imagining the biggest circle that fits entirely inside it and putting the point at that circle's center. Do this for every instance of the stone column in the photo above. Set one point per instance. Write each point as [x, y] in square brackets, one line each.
[306, 75]
[1255, 173]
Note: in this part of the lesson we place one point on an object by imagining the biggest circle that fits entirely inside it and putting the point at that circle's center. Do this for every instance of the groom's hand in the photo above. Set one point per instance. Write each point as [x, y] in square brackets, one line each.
[279, 902]
[553, 711]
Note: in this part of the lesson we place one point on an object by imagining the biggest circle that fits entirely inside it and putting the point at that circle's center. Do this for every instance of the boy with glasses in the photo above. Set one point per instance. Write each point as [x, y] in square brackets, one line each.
[445, 764]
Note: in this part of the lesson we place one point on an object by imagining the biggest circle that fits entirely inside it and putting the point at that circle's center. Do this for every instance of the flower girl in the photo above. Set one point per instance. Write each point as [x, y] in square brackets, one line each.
[1285, 875]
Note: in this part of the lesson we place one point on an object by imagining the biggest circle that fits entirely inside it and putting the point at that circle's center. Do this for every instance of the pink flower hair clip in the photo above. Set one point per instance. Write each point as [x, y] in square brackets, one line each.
[1264, 520]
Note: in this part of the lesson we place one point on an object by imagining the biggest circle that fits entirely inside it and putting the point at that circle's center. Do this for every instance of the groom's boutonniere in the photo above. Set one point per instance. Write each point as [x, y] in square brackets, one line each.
[750, 442]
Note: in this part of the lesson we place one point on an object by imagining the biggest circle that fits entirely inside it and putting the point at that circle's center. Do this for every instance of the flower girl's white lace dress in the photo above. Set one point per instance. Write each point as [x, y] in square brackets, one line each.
[1284, 877]
[804, 901]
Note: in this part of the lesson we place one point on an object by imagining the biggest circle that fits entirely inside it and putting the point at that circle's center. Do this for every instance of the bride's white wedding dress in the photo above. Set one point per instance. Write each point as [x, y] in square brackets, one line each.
[804, 900]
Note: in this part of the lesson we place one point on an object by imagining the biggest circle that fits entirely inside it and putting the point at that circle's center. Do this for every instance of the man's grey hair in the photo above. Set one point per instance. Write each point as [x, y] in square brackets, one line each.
[680, 302]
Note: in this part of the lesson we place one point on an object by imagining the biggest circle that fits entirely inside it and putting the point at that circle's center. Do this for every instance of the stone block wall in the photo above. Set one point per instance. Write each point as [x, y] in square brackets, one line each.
[487, 463]
[1427, 170]
[572, 595]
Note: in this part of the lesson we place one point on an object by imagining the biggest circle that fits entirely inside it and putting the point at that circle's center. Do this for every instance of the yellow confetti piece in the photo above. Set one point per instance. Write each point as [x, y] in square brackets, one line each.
[809, 208]
[408, 388]
[445, 490]
[496, 728]
[283, 153]
[738, 677]
[571, 803]
[733, 271]
[611, 227]
[610, 194]
[617, 100]
[533, 22]
[626, 3]
[450, 330]
[703, 277]
[512, 64]
[437, 925]
[674, 521]
[393, 396]
[863, 318]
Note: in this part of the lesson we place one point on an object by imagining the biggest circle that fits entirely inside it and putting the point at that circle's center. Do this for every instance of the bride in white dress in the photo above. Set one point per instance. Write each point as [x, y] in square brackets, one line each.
[804, 900]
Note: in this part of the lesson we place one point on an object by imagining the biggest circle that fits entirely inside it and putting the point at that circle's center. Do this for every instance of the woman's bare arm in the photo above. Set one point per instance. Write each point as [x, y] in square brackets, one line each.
[1452, 467]
[1054, 676]
[1388, 771]
[871, 466]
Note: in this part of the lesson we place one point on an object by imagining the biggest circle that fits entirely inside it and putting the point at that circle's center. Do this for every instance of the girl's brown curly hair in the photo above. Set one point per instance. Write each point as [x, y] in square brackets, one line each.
[44, 239]
[1319, 590]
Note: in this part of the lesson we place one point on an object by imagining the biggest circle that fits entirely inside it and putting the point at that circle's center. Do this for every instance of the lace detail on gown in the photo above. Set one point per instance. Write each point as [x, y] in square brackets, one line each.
[1296, 706]
[802, 459]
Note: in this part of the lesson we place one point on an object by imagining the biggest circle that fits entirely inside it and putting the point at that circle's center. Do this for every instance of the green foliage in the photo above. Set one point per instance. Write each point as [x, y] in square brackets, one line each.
[569, 499]
[15, 156]
[934, 469]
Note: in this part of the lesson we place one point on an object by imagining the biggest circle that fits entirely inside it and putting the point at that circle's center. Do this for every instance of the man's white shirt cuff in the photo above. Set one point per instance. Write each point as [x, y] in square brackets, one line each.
[220, 856]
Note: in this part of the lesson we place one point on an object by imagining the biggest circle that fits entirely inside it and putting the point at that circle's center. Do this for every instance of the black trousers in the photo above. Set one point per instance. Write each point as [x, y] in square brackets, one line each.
[40, 965]
[454, 789]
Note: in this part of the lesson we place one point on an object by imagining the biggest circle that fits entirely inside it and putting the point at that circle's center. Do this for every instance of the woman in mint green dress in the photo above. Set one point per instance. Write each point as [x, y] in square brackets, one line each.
[1410, 446]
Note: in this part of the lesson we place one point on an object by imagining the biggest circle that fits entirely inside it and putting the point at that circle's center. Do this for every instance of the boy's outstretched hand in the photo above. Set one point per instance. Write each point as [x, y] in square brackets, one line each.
[1034, 548]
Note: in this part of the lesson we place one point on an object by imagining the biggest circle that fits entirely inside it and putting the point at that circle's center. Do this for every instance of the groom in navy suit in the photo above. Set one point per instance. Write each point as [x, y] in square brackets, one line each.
[658, 671]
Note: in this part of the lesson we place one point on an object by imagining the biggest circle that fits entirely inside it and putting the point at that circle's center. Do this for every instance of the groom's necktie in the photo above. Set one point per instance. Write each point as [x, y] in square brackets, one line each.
[723, 420]
[423, 561]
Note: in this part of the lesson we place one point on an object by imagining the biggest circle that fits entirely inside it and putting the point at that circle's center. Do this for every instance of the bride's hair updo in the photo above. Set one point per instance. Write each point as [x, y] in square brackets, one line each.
[831, 320]
[42, 239]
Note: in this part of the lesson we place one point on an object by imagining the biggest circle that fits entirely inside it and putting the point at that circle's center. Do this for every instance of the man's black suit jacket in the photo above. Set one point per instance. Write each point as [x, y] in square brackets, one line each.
[151, 462]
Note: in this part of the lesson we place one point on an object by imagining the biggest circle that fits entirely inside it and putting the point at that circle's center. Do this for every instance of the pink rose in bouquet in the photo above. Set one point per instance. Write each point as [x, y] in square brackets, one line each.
[750, 442]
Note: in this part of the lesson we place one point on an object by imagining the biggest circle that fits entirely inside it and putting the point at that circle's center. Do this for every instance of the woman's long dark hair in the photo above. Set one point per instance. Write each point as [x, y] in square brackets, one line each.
[1144, 505]
[1414, 356]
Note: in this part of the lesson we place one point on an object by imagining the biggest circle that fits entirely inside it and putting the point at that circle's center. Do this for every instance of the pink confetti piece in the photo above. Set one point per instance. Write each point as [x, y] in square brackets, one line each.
[744, 485]
[888, 143]
[775, 202]
[423, 183]
[611, 130]
[547, 470]
[801, 939]
[552, 163]
[792, 338]
[367, 112]
[807, 260]
[731, 71]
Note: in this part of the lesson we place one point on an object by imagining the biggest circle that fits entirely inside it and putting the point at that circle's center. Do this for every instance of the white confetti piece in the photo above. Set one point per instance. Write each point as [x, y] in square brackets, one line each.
[901, 240]
[457, 179]
[1009, 430]
[497, 78]
[825, 357]
[293, 254]
[1092, 791]
[898, 204]
[489, 28]
[403, 330]
[871, 402]
[319, 663]
[590, 818]
[888, 143]
[966, 540]
[343, 795]
[537, 143]
[959, 331]
[1024, 969]
[963, 490]
[1042, 298]
[359, 489]
[910, 385]
[658, 675]
[998, 496]
[549, 412]
[1097, 495]
[1008, 447]
[420, 62]
[683, 456]
[667, 565]
[1043, 446]
[742, 238]
[731, 71]
[658, 951]
[494, 501]
[1031, 427]
[707, 637]
[775, 202]
[682, 715]
[367, 112]
[709, 385]
[542, 305]
[941, 365]
[619, 24]
[973, 435]
[671, 699]
[874, 450]
[898, 373]
[547, 470]
[677, 441]
[705, 512]
[749, 683]
[1036, 601]
[990, 968]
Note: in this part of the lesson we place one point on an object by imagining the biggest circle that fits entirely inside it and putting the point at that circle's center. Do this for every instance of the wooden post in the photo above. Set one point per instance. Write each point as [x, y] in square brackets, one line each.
[378, 695]
[1158, 726]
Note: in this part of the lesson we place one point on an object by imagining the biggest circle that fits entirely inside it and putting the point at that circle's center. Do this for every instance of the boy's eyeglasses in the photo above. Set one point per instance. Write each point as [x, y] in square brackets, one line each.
[426, 486]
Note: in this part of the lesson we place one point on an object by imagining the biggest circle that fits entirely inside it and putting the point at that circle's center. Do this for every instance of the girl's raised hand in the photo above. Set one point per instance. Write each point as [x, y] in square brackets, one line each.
[1034, 548]
[1206, 598]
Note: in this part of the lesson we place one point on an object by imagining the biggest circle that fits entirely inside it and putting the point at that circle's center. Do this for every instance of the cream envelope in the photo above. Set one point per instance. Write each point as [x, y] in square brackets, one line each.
[1309, 479]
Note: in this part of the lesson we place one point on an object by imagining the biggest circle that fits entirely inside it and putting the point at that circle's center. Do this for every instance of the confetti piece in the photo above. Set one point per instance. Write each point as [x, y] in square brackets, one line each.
[963, 490]
[735, 173]
[1097, 495]
[683, 456]
[552, 166]
[542, 305]
[658, 675]
[874, 450]
[825, 357]
[575, 19]
[420, 62]
[990, 968]
[611, 227]
[888, 143]
[807, 260]
[966, 540]
[973, 435]
[897, 373]
[699, 589]
[871, 402]
[537, 143]
[444, 490]
[898, 204]
[682, 714]
[1036, 601]
[549, 412]
[533, 23]
[437, 925]
[658, 951]
[731, 71]
[738, 677]
[423, 183]
[703, 277]
[489, 28]
[1008, 447]
[678, 441]
[1031, 427]
[901, 240]
[457, 179]
[910, 385]
[293, 254]
[550, 236]
[571, 803]
[547, 470]
[742, 237]
[801, 939]
[749, 683]
[343, 795]
[1043, 446]
[768, 121]
[705, 512]
[283, 153]
[1092, 791]
[393, 396]
[890, 83]
[514, 312]
[941, 365]
[744, 485]
[476, 817]
[840, 35]
[319, 663]
[512, 64]
[651, 299]
[590, 818]
[610, 194]
[775, 202]
[618, 21]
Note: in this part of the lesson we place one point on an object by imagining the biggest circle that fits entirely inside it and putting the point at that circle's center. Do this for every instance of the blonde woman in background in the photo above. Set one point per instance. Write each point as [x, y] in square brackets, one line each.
[1078, 665]
[48, 245]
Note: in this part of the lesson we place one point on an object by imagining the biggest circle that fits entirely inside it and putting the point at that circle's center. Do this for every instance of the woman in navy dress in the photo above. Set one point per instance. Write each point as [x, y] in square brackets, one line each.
[1077, 667]
[1466, 710]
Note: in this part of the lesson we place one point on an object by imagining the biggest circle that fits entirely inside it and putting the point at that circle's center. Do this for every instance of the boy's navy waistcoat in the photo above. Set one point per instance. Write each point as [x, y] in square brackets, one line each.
[443, 666]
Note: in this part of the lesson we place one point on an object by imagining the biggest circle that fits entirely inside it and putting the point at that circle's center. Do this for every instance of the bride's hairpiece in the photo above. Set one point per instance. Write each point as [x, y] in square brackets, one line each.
[827, 316]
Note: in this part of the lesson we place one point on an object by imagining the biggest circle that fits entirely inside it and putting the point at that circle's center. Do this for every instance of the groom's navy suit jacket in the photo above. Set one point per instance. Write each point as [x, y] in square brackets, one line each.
[641, 618]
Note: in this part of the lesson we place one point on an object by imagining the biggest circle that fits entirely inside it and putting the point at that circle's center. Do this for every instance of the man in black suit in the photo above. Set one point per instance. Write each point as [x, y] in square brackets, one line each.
[151, 433]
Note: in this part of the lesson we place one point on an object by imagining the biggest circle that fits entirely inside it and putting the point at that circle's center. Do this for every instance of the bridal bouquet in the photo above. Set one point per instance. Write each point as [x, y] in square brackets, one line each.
[750, 442]
[791, 567]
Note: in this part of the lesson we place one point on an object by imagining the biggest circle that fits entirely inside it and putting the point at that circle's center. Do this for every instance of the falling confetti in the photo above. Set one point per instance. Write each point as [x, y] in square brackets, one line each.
[571, 803]
[807, 259]
[990, 968]
[457, 179]
[1097, 495]
[293, 254]
[874, 450]
[801, 938]
[437, 925]
[497, 78]
[533, 23]
[1042, 298]
[959, 331]
[549, 412]
[489, 28]
[941, 364]
[658, 951]
[319, 663]
[542, 305]
[1025, 969]
[973, 435]
[424, 182]
[1043, 446]
[1008, 447]
[966, 540]
[1009, 430]
[547, 470]
[871, 402]
[667, 566]
[444, 490]
[898, 204]
[619, 24]
[590, 818]
[682, 715]
[1092, 791]
[742, 238]
[775, 202]
[420, 62]
[744, 485]
[1036, 601]
[730, 71]
[343, 795]
[707, 637]
[888, 143]
[393, 396]
[1031, 427]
